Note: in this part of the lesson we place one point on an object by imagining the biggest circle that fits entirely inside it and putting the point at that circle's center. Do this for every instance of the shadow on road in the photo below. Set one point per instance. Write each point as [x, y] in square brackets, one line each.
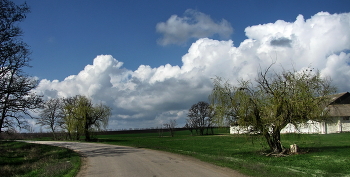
[109, 150]
[94, 149]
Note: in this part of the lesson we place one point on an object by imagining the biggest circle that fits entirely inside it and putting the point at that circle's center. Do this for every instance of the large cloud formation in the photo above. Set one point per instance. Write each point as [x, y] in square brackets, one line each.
[177, 30]
[148, 97]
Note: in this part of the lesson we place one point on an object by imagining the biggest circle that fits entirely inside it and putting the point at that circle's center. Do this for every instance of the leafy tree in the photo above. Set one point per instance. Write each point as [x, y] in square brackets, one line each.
[16, 97]
[52, 115]
[82, 117]
[276, 100]
[200, 117]
[71, 119]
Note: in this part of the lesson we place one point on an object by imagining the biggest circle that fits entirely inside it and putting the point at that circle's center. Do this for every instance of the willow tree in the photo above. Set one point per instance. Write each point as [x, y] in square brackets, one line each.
[82, 117]
[273, 101]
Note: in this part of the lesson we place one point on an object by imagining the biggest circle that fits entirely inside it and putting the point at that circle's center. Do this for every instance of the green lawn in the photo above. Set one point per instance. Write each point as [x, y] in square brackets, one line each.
[28, 160]
[322, 155]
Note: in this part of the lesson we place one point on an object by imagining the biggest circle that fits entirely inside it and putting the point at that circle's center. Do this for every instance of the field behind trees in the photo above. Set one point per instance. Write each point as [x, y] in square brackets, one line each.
[321, 155]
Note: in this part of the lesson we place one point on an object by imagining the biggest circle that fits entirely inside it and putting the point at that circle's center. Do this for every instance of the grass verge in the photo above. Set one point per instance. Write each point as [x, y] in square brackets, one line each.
[26, 159]
[322, 155]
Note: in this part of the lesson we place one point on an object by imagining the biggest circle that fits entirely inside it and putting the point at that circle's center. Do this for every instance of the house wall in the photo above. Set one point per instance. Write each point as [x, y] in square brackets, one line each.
[309, 127]
[240, 129]
[339, 124]
[345, 126]
[333, 127]
[336, 125]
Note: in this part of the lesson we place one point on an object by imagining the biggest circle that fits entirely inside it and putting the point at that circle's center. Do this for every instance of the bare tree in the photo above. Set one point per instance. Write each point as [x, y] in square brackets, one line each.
[51, 116]
[200, 117]
[190, 125]
[210, 120]
[160, 131]
[16, 97]
[276, 100]
[171, 126]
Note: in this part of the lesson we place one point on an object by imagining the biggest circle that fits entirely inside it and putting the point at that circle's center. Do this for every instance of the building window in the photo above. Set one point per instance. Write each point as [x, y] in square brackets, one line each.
[346, 118]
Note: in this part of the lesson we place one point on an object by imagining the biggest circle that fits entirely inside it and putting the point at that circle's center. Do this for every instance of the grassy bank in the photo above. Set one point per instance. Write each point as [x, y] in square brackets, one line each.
[322, 155]
[25, 159]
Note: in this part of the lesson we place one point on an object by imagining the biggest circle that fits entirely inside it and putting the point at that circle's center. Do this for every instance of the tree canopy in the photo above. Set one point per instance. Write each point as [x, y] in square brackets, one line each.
[200, 117]
[81, 116]
[51, 115]
[273, 101]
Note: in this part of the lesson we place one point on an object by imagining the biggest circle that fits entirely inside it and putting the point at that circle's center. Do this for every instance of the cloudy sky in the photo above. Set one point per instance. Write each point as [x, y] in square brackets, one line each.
[151, 60]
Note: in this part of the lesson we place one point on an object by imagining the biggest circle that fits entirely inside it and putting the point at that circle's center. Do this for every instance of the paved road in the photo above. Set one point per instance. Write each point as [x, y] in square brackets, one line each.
[102, 160]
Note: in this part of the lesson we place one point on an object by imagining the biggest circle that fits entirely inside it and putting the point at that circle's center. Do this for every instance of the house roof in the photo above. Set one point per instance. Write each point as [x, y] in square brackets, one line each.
[339, 105]
[340, 98]
[339, 110]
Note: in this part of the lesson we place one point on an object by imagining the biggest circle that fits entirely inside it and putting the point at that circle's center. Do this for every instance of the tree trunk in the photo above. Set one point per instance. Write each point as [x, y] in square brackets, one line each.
[77, 136]
[191, 131]
[87, 133]
[69, 135]
[53, 132]
[201, 131]
[171, 132]
[274, 140]
[54, 135]
[1, 122]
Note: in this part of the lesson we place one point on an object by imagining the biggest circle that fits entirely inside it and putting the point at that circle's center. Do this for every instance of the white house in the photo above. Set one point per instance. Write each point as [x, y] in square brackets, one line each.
[339, 111]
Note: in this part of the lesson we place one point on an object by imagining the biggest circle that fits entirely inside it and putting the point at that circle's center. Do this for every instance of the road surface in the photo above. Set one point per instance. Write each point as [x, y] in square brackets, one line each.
[102, 160]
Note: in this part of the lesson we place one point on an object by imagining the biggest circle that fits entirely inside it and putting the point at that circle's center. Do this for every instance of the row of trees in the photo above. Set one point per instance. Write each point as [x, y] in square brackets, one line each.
[77, 116]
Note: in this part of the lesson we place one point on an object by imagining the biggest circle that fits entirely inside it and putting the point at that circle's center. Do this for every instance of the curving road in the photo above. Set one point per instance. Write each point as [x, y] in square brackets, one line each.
[102, 160]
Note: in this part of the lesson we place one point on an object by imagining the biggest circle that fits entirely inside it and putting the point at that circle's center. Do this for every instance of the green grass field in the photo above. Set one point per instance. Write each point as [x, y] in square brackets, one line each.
[28, 160]
[322, 155]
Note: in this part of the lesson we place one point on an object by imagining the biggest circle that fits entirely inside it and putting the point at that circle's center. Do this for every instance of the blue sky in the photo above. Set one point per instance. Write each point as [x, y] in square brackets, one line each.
[66, 35]
[151, 60]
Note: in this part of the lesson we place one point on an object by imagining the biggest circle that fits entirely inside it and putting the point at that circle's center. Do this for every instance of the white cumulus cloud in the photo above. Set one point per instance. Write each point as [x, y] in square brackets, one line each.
[194, 24]
[148, 97]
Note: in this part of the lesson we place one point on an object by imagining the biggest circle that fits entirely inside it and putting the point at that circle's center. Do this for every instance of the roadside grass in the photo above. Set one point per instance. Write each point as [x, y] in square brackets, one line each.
[27, 160]
[321, 155]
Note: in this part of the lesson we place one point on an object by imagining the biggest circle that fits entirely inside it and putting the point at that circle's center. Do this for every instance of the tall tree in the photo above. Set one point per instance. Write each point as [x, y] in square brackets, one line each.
[82, 117]
[276, 100]
[51, 115]
[16, 97]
